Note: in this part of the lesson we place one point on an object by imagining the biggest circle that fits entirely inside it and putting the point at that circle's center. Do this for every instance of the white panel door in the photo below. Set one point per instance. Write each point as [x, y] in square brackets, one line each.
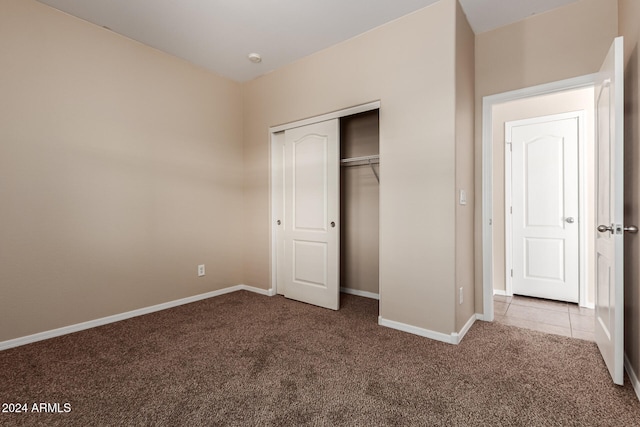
[545, 206]
[609, 293]
[310, 227]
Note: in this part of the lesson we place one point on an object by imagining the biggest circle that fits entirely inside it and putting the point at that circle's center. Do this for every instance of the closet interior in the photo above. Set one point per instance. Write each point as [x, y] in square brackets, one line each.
[359, 203]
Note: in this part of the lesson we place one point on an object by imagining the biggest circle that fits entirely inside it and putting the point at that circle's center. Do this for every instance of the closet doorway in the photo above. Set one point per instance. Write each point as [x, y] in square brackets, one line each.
[325, 204]
[511, 256]
[359, 204]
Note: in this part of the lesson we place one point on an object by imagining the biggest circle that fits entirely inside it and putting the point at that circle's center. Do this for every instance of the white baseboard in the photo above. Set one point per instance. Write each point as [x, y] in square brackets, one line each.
[16, 342]
[360, 293]
[438, 336]
[457, 336]
[453, 338]
[268, 292]
[632, 375]
[500, 292]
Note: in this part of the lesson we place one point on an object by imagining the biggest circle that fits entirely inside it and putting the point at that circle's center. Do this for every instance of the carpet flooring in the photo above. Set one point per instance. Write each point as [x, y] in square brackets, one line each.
[245, 359]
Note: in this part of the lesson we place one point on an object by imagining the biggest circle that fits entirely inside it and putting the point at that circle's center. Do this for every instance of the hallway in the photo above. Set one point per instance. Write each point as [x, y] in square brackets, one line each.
[554, 317]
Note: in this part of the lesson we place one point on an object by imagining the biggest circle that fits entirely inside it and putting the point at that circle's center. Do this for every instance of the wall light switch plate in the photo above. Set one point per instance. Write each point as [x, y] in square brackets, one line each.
[201, 270]
[463, 197]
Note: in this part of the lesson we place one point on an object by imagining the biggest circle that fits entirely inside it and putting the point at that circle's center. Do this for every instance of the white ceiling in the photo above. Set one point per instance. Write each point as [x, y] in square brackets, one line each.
[485, 15]
[219, 34]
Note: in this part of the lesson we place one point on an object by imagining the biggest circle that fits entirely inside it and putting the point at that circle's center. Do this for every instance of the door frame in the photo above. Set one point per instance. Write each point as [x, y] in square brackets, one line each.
[276, 193]
[488, 102]
[582, 208]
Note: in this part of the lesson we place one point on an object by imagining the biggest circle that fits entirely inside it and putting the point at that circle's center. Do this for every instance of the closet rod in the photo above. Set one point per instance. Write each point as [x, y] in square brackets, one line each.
[367, 160]
[360, 159]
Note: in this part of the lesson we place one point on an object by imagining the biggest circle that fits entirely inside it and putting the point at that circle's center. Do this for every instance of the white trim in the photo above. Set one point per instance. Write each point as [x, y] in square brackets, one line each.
[581, 116]
[508, 210]
[487, 170]
[487, 208]
[266, 292]
[480, 317]
[585, 213]
[438, 336]
[359, 293]
[456, 337]
[501, 292]
[632, 376]
[16, 342]
[329, 116]
[276, 201]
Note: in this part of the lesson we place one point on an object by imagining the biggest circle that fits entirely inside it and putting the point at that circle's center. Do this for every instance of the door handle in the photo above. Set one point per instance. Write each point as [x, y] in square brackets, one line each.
[570, 220]
[604, 228]
[629, 229]
[333, 224]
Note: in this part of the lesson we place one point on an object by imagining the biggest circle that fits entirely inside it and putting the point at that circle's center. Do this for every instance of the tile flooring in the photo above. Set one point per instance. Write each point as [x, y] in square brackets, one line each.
[542, 315]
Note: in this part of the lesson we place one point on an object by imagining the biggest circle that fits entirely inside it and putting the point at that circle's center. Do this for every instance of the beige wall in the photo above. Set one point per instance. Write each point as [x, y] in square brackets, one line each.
[120, 172]
[574, 100]
[122, 168]
[359, 205]
[394, 64]
[465, 82]
[630, 29]
[568, 42]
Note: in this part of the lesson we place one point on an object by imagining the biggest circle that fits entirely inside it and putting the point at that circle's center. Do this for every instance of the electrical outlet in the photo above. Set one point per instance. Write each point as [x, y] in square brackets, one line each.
[461, 294]
[201, 270]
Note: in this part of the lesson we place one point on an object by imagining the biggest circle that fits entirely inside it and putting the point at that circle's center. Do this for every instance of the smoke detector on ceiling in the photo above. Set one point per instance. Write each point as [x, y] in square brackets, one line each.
[255, 58]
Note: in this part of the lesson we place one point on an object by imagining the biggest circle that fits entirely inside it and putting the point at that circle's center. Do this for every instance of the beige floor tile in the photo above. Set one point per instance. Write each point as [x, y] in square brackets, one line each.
[582, 335]
[540, 303]
[553, 317]
[540, 315]
[581, 323]
[500, 308]
[502, 298]
[575, 308]
[536, 326]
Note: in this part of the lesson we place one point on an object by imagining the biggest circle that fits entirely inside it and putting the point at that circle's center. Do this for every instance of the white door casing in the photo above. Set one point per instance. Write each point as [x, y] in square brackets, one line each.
[277, 212]
[310, 226]
[609, 141]
[488, 104]
[545, 206]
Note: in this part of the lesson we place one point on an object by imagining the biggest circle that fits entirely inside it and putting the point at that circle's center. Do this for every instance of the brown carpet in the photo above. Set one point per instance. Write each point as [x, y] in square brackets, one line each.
[247, 359]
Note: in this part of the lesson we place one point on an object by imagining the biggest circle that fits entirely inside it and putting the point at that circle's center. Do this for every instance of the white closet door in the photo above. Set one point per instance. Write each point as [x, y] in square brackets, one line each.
[311, 229]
